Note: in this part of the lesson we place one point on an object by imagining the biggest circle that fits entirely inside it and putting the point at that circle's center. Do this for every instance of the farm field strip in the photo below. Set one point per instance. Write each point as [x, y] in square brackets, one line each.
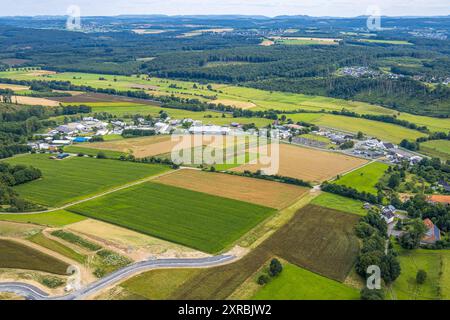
[324, 242]
[262, 99]
[271, 194]
[364, 179]
[197, 220]
[73, 179]
[295, 283]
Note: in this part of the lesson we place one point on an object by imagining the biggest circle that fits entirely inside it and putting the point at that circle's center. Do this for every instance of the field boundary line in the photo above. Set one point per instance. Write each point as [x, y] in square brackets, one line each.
[354, 169]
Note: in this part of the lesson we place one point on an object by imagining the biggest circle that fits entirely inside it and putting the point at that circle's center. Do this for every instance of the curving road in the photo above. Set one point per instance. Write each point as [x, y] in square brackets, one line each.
[31, 292]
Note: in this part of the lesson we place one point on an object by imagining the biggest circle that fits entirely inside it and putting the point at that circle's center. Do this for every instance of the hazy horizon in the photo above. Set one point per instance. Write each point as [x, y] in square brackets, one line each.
[268, 8]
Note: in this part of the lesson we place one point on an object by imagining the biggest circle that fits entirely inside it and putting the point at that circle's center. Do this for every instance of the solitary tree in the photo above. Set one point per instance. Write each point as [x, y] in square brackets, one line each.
[421, 276]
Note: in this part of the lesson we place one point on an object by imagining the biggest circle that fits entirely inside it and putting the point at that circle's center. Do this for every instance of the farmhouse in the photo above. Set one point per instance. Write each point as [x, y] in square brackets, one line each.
[433, 233]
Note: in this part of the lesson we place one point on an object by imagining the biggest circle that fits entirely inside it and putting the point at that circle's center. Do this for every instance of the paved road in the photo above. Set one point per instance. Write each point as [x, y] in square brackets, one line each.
[33, 293]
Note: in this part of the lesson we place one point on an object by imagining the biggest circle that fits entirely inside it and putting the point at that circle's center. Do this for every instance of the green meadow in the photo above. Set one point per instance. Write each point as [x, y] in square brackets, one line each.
[197, 220]
[207, 117]
[158, 284]
[395, 42]
[333, 201]
[365, 178]
[295, 283]
[57, 218]
[15, 255]
[42, 240]
[75, 178]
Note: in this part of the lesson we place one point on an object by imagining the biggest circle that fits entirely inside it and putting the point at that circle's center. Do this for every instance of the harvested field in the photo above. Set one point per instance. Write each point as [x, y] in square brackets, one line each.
[309, 164]
[34, 101]
[366, 178]
[323, 240]
[234, 103]
[14, 255]
[13, 87]
[267, 193]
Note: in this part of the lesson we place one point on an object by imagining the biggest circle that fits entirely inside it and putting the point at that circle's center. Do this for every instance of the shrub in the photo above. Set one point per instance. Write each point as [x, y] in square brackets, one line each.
[52, 282]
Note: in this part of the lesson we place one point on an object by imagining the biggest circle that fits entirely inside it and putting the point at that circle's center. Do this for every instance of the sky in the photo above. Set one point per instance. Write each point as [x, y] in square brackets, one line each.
[341, 8]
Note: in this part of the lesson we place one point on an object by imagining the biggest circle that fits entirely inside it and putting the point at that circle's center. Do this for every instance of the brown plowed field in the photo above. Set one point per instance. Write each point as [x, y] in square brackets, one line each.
[267, 193]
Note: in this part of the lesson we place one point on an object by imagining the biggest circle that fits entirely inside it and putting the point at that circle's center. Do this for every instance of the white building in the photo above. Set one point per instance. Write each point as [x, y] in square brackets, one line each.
[212, 130]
